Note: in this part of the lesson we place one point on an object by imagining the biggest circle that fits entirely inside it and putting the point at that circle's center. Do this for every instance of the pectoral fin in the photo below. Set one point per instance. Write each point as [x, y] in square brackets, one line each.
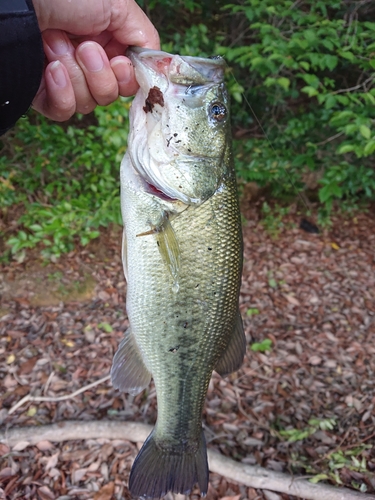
[233, 356]
[128, 372]
[168, 247]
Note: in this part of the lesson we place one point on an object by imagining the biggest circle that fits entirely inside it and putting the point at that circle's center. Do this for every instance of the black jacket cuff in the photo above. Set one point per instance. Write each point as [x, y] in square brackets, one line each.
[21, 60]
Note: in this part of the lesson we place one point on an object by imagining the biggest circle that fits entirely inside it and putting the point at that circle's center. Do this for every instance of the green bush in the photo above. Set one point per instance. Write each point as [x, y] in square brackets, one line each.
[308, 70]
[65, 177]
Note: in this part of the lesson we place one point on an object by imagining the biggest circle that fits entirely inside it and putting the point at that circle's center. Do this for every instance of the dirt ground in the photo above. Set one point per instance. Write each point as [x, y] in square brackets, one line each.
[303, 402]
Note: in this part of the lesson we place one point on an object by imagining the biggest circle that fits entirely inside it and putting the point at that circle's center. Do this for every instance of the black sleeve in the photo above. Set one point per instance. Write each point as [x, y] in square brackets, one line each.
[21, 60]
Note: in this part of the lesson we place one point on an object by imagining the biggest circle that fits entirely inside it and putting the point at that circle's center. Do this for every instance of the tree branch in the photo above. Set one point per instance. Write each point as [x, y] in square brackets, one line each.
[52, 399]
[255, 477]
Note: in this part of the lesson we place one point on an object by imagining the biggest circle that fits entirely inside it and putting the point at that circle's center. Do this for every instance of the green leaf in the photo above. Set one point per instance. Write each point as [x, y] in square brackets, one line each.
[330, 101]
[325, 193]
[369, 25]
[365, 131]
[252, 311]
[263, 346]
[347, 55]
[330, 61]
[284, 82]
[345, 148]
[310, 91]
[369, 148]
[318, 477]
[305, 65]
[106, 327]
[272, 283]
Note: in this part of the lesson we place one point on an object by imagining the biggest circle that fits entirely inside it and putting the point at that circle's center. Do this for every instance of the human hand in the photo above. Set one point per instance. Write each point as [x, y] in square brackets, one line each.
[84, 42]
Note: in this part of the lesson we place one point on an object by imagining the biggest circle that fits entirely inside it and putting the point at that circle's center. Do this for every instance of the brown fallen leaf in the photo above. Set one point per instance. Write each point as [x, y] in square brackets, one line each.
[52, 461]
[4, 449]
[106, 492]
[315, 360]
[27, 366]
[292, 300]
[45, 493]
[44, 445]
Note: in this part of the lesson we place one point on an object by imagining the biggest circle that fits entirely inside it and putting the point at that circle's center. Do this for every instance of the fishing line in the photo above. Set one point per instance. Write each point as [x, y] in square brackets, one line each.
[303, 198]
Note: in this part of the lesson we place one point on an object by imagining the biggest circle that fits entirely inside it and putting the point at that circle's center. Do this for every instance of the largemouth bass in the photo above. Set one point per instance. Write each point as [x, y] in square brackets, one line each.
[182, 258]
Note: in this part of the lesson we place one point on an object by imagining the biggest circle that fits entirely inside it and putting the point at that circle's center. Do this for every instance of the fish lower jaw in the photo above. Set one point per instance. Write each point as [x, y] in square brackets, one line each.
[169, 195]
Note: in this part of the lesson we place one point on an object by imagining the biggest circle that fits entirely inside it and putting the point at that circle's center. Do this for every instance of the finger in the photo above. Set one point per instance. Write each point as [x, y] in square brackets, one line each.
[114, 48]
[58, 47]
[102, 38]
[55, 98]
[131, 26]
[124, 72]
[99, 76]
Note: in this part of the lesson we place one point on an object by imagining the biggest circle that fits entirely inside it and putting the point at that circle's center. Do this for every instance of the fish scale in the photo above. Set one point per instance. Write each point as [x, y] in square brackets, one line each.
[183, 261]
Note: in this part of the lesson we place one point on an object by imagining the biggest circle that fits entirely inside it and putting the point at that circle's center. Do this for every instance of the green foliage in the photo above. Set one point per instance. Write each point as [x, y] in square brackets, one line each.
[315, 424]
[308, 71]
[263, 346]
[106, 327]
[252, 311]
[272, 219]
[352, 459]
[66, 178]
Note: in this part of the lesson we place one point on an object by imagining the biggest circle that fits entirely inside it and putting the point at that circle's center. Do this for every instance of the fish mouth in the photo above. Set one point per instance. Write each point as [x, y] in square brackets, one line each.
[151, 189]
[156, 68]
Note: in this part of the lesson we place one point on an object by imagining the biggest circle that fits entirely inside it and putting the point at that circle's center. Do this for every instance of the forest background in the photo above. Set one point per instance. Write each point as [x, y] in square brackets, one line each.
[300, 74]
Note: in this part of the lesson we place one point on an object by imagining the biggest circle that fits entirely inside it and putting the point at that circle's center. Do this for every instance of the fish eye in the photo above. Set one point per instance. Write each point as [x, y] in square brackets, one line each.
[218, 111]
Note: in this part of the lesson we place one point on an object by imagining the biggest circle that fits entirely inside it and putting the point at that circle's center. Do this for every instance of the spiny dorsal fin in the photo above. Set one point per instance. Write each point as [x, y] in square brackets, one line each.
[232, 358]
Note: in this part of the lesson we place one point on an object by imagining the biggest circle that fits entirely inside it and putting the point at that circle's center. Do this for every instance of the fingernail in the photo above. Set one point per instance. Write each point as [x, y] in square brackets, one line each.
[58, 46]
[90, 57]
[121, 71]
[58, 74]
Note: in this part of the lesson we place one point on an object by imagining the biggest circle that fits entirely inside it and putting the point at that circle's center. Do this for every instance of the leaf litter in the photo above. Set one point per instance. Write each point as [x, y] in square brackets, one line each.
[303, 402]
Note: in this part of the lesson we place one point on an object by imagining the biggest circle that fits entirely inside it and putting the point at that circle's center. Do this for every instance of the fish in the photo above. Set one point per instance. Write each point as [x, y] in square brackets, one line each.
[182, 259]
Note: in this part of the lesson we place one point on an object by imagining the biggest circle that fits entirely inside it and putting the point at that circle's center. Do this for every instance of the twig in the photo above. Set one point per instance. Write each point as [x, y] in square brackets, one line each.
[252, 476]
[356, 87]
[59, 398]
[332, 138]
[48, 383]
[245, 414]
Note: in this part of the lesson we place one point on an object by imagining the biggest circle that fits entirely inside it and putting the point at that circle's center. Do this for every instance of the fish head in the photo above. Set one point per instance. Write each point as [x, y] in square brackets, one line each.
[180, 127]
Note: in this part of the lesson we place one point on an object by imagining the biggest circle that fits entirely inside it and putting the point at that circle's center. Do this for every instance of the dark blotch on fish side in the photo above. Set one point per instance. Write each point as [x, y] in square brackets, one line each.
[155, 96]
[174, 349]
[309, 227]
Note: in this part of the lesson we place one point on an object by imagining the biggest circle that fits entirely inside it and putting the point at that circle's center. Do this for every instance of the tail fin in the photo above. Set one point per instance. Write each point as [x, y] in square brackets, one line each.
[156, 470]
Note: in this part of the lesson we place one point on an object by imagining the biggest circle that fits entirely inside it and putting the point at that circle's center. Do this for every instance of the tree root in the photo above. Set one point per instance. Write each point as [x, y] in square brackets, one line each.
[255, 477]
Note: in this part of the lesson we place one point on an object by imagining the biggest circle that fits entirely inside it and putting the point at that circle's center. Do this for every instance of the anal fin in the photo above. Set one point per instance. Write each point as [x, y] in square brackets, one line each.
[128, 372]
[233, 356]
